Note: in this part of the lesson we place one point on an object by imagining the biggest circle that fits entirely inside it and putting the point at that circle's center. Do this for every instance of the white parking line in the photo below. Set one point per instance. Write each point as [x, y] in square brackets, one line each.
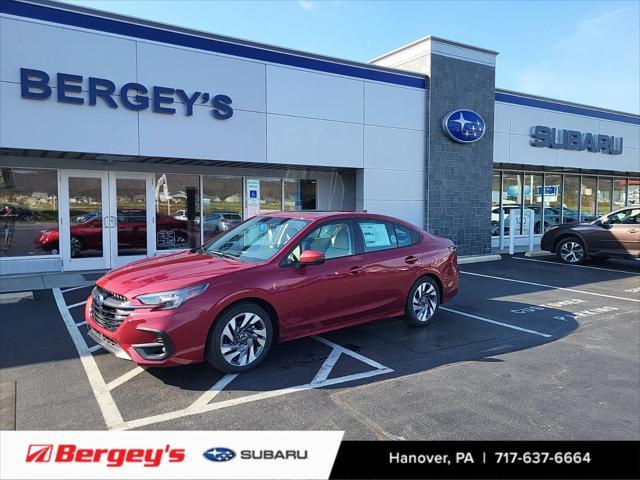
[163, 417]
[327, 366]
[552, 286]
[495, 322]
[210, 394]
[125, 377]
[110, 412]
[76, 305]
[113, 417]
[74, 288]
[95, 348]
[579, 266]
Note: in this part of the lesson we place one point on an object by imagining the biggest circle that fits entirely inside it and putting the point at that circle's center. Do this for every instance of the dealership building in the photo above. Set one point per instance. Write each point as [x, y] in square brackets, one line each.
[123, 138]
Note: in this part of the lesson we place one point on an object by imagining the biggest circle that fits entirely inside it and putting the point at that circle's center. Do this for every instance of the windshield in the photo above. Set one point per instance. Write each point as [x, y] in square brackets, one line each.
[256, 240]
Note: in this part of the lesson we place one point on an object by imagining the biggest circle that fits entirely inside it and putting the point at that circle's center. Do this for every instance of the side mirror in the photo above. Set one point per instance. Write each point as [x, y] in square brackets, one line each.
[310, 257]
[604, 223]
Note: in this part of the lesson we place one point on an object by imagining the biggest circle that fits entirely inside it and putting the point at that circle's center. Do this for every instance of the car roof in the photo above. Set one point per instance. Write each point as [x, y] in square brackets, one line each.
[315, 215]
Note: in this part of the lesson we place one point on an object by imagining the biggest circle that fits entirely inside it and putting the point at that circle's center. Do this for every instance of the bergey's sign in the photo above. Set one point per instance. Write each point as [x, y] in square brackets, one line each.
[37, 85]
[574, 140]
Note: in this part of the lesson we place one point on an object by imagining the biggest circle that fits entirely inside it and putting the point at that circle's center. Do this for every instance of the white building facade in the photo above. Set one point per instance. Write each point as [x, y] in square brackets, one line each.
[124, 139]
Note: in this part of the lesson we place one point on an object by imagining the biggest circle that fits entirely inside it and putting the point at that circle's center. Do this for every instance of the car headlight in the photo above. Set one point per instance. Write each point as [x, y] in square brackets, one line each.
[172, 298]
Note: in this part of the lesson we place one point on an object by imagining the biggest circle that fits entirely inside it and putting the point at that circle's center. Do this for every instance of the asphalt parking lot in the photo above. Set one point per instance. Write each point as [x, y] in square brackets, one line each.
[529, 349]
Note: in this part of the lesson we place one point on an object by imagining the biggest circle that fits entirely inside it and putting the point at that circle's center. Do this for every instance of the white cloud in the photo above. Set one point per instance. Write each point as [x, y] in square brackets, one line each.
[598, 63]
[306, 4]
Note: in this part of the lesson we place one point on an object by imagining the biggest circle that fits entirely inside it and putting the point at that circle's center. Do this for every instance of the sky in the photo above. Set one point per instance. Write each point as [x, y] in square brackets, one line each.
[581, 51]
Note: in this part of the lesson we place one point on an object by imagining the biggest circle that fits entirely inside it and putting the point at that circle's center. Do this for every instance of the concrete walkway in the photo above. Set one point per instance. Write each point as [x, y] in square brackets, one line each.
[39, 281]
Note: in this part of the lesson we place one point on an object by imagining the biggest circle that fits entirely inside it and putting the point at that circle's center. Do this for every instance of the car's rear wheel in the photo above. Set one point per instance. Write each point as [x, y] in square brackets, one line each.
[571, 250]
[422, 303]
[240, 339]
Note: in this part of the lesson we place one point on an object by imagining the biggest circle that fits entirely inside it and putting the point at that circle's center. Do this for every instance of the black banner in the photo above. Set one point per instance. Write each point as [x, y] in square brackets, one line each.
[517, 460]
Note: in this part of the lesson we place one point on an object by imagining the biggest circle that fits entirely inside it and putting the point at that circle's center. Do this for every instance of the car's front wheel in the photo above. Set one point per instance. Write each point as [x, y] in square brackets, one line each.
[571, 250]
[240, 339]
[422, 303]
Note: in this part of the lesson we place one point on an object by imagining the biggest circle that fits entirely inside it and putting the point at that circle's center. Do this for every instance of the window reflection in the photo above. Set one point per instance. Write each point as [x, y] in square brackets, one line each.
[28, 210]
[177, 211]
[222, 204]
[299, 195]
[552, 199]
[604, 195]
[270, 195]
[588, 199]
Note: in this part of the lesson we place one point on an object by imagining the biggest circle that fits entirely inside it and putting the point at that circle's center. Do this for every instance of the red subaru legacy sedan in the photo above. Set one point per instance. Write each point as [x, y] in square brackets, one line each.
[272, 278]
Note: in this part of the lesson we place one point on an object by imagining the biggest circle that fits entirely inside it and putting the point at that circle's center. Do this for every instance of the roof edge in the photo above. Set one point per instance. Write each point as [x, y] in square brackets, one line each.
[60, 5]
[565, 102]
[434, 38]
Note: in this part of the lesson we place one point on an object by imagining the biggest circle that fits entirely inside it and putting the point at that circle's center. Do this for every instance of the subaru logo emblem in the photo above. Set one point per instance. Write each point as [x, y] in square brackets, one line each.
[464, 126]
[219, 454]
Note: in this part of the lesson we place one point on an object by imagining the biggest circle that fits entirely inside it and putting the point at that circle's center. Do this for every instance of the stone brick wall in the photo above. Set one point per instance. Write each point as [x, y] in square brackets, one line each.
[458, 176]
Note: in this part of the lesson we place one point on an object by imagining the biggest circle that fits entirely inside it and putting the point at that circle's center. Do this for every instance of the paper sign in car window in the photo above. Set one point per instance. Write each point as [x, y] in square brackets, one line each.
[375, 234]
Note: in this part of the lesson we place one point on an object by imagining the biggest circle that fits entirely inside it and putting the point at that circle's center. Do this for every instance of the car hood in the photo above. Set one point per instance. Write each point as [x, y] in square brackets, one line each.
[168, 272]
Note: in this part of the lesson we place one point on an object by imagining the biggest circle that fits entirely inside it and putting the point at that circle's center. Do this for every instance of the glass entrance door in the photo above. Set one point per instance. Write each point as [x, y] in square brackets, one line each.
[106, 219]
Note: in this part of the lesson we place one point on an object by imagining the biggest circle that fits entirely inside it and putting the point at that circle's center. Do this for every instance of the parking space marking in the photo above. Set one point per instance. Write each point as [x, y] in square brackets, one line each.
[210, 394]
[495, 322]
[76, 305]
[125, 377]
[579, 266]
[552, 286]
[74, 288]
[327, 366]
[111, 413]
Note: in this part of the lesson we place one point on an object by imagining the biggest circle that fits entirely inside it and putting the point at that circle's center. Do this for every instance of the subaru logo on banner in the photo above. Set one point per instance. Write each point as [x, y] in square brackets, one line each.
[464, 126]
[219, 454]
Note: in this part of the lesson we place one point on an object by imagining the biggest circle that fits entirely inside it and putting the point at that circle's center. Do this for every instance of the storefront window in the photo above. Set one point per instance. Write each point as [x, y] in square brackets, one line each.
[633, 193]
[512, 200]
[619, 193]
[552, 199]
[604, 195]
[299, 195]
[28, 210]
[571, 198]
[588, 199]
[533, 188]
[85, 217]
[222, 204]
[270, 195]
[177, 211]
[495, 204]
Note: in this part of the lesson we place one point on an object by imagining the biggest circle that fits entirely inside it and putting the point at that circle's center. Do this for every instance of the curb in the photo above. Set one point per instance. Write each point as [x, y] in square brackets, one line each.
[538, 253]
[478, 258]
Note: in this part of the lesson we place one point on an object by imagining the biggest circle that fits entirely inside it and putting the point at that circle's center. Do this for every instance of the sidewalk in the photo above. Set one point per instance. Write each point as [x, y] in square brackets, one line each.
[39, 281]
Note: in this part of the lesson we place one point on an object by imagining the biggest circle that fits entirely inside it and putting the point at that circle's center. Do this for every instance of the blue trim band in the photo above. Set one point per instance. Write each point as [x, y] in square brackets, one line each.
[561, 107]
[66, 17]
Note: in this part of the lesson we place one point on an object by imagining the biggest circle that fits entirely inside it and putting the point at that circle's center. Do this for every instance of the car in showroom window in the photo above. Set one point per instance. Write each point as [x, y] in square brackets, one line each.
[273, 278]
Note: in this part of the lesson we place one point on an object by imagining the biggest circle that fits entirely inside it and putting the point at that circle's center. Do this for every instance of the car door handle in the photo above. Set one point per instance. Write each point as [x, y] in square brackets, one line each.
[410, 259]
[634, 230]
[354, 271]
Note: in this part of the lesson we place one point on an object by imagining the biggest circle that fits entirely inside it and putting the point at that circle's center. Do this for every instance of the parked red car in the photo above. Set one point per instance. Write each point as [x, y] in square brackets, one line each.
[132, 232]
[274, 277]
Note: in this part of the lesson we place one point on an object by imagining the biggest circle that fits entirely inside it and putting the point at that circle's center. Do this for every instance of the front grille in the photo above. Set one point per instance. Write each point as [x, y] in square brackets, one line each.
[108, 309]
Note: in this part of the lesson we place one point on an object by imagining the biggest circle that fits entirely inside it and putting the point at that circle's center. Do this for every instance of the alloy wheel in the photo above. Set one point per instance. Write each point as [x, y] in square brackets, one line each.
[243, 339]
[571, 252]
[425, 301]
